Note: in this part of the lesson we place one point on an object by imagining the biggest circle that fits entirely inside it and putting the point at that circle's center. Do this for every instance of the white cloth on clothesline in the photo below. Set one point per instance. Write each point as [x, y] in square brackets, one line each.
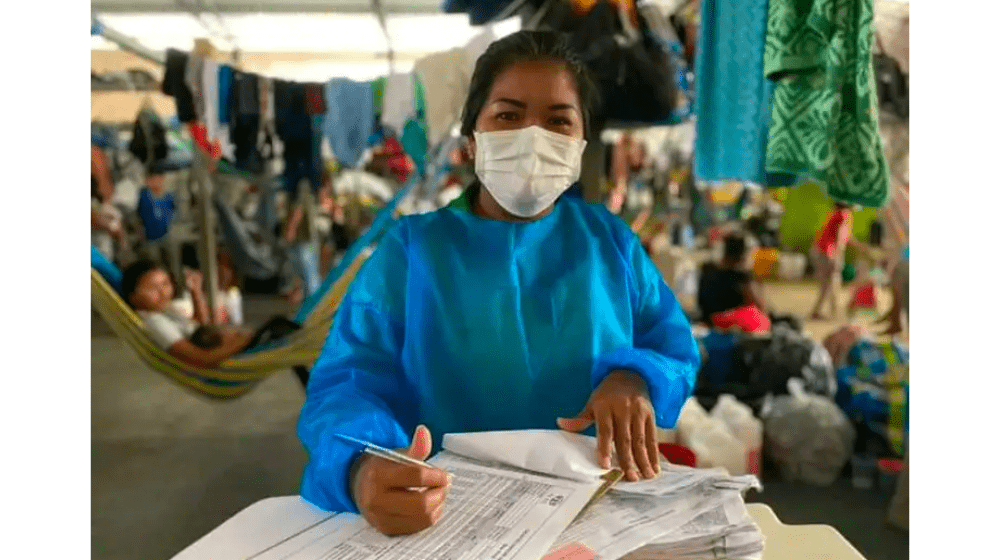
[445, 77]
[398, 101]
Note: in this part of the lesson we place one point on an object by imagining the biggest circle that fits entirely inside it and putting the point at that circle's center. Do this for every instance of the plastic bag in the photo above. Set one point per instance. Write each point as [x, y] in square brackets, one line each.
[770, 363]
[807, 436]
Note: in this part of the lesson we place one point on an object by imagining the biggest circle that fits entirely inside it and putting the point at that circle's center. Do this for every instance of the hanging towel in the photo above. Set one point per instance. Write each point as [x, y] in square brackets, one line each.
[349, 119]
[825, 111]
[175, 85]
[445, 79]
[732, 96]
[399, 101]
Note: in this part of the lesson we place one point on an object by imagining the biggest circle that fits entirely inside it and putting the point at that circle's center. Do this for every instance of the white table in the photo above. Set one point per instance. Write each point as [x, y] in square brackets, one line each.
[800, 542]
[274, 519]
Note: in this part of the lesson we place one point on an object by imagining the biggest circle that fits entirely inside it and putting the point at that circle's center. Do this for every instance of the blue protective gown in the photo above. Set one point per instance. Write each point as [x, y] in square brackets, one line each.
[467, 324]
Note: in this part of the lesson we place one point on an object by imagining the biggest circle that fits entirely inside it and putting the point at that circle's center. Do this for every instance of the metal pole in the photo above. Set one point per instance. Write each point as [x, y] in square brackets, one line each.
[207, 245]
[127, 43]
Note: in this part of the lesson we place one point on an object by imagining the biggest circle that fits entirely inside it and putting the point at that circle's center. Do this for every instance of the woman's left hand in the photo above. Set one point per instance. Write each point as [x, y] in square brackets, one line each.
[624, 415]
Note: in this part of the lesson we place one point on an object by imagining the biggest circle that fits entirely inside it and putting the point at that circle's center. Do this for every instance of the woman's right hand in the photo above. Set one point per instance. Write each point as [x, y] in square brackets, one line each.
[398, 499]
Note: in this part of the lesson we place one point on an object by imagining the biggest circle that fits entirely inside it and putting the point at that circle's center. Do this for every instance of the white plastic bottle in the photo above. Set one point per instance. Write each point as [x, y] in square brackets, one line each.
[746, 428]
[715, 446]
[234, 304]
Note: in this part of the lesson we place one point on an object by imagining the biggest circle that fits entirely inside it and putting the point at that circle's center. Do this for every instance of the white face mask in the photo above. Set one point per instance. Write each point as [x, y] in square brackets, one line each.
[527, 169]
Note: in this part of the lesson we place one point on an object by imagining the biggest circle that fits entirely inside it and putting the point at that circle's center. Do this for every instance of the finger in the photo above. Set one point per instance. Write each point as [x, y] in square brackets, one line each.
[623, 444]
[438, 513]
[578, 424]
[394, 525]
[411, 503]
[652, 446]
[605, 435]
[395, 475]
[638, 429]
[420, 447]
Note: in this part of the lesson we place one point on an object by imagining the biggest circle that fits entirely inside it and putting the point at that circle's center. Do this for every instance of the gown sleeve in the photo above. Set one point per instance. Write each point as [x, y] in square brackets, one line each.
[663, 348]
[357, 386]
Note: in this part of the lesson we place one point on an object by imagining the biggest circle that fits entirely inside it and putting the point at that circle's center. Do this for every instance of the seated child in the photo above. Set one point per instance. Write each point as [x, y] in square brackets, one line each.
[156, 211]
[147, 287]
[727, 294]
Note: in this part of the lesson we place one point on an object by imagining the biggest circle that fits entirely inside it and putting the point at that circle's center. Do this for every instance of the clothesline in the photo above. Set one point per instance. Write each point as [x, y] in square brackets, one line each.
[418, 107]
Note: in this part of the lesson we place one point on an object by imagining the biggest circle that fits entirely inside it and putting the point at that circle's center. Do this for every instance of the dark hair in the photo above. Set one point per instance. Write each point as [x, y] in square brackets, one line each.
[520, 47]
[843, 205]
[735, 247]
[94, 192]
[133, 274]
[156, 168]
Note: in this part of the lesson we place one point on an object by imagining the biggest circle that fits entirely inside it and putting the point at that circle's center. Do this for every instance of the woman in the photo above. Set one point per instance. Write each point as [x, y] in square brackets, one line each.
[507, 310]
[728, 296]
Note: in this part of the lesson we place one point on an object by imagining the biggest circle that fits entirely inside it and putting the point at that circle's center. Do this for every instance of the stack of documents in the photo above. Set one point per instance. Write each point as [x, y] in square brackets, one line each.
[539, 494]
[682, 514]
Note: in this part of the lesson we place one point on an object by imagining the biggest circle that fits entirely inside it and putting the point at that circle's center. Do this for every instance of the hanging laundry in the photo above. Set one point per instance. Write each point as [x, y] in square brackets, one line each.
[200, 136]
[315, 102]
[295, 128]
[480, 11]
[149, 138]
[825, 111]
[174, 84]
[414, 137]
[244, 121]
[270, 145]
[210, 103]
[445, 79]
[225, 78]
[225, 86]
[399, 101]
[349, 119]
[193, 77]
[732, 97]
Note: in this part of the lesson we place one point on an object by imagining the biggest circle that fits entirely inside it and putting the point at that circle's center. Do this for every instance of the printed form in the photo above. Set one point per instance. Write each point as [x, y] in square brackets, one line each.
[489, 514]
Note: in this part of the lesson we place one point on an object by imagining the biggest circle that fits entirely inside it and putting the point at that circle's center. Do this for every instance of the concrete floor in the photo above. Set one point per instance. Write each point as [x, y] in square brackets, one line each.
[168, 465]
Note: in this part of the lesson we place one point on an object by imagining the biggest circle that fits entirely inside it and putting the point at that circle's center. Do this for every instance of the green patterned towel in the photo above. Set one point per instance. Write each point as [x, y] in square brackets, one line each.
[825, 111]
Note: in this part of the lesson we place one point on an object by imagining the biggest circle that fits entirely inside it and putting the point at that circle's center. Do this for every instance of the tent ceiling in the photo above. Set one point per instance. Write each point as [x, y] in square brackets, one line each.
[324, 33]
[263, 6]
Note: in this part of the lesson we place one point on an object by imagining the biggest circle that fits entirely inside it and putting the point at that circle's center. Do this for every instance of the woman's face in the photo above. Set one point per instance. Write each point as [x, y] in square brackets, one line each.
[530, 93]
[533, 93]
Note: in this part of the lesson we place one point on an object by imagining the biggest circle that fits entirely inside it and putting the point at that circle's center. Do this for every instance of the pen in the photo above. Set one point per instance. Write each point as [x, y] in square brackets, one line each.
[379, 451]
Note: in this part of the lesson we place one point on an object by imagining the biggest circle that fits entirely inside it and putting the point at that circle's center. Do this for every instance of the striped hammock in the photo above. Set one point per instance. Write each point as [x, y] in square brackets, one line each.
[239, 374]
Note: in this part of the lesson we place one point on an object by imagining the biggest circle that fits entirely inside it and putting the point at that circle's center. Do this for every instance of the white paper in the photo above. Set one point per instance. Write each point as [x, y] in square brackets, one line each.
[488, 513]
[551, 452]
[619, 523]
[257, 529]
[674, 478]
[725, 530]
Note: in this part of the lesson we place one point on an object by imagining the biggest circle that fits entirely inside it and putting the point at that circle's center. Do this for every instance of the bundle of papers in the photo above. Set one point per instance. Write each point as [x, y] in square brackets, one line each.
[538, 494]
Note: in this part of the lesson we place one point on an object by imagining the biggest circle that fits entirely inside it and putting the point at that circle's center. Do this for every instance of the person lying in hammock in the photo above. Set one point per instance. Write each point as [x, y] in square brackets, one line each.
[146, 286]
